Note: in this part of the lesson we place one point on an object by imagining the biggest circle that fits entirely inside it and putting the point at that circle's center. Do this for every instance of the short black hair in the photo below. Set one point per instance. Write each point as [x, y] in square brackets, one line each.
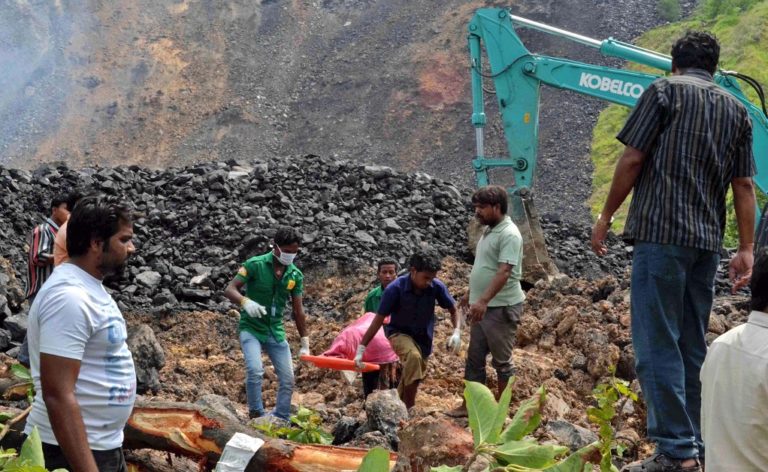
[58, 199]
[72, 198]
[759, 283]
[386, 261]
[696, 49]
[425, 261]
[286, 235]
[95, 217]
[491, 195]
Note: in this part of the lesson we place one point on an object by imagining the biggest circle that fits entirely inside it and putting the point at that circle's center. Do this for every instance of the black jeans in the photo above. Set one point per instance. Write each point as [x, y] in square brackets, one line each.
[111, 460]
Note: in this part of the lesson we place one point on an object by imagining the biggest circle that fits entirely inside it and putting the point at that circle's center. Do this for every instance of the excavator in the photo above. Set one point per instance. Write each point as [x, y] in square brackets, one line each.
[518, 75]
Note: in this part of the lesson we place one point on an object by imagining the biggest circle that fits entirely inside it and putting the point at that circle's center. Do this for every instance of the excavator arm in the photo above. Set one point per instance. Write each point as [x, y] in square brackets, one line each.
[517, 77]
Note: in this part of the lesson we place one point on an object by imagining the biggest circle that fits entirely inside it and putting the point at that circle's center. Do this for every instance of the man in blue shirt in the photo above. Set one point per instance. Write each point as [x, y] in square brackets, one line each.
[410, 303]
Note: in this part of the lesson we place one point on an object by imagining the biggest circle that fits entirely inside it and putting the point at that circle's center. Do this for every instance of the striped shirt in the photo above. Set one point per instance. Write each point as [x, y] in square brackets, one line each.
[697, 137]
[40, 242]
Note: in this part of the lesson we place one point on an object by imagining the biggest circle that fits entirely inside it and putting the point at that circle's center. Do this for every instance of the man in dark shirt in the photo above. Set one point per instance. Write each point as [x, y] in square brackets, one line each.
[687, 141]
[410, 303]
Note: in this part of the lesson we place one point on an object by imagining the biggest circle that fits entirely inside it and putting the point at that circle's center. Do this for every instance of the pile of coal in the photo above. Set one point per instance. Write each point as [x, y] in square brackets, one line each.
[198, 224]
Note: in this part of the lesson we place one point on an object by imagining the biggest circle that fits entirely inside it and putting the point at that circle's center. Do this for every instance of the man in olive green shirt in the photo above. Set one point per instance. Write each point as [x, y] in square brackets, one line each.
[269, 280]
[495, 297]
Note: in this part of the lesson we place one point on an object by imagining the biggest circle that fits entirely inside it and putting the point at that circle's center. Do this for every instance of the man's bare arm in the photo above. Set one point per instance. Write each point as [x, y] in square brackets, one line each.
[744, 202]
[58, 376]
[376, 323]
[232, 292]
[298, 315]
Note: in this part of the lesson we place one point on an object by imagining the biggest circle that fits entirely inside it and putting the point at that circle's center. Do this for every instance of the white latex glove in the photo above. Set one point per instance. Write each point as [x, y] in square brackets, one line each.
[454, 342]
[252, 308]
[359, 357]
[304, 350]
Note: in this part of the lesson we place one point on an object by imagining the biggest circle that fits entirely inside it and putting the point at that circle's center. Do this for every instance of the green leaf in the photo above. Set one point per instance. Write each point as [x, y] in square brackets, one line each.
[21, 372]
[527, 418]
[502, 412]
[5, 416]
[446, 468]
[325, 438]
[377, 460]
[22, 466]
[482, 409]
[577, 461]
[32, 449]
[527, 454]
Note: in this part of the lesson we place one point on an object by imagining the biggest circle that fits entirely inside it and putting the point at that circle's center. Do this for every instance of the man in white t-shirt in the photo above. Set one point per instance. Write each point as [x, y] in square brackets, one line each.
[734, 388]
[83, 372]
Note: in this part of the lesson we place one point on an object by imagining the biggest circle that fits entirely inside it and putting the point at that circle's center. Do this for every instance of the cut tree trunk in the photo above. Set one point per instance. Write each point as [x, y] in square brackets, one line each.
[201, 434]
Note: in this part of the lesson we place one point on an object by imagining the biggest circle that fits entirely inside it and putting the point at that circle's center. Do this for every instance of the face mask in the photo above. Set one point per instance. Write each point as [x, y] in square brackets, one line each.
[286, 258]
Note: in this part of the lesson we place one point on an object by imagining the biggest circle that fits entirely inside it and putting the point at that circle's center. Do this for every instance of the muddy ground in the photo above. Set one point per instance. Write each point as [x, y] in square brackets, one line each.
[571, 334]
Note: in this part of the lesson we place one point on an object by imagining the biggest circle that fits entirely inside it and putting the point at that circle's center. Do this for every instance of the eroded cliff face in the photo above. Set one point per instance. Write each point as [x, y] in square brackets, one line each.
[170, 83]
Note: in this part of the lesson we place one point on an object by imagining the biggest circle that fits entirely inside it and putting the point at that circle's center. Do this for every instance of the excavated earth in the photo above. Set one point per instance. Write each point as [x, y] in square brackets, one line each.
[575, 327]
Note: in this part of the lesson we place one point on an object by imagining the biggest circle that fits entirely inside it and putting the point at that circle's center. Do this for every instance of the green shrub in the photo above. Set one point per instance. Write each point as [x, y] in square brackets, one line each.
[304, 428]
[30, 459]
[711, 9]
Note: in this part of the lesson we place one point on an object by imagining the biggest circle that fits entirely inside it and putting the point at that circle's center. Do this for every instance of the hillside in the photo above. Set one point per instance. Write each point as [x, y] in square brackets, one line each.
[177, 82]
[740, 27]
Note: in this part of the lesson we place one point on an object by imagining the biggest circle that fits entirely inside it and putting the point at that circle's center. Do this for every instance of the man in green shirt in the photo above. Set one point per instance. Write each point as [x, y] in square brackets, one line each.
[387, 272]
[495, 297]
[269, 280]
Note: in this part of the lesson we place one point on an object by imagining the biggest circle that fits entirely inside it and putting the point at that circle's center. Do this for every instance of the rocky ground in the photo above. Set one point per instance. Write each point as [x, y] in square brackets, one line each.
[199, 222]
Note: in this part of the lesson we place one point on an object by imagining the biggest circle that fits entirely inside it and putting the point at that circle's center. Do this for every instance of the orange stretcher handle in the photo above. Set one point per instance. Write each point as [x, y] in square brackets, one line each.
[337, 363]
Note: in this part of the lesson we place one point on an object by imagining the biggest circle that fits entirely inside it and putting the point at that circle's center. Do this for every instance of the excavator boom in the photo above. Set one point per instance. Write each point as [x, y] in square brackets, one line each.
[518, 75]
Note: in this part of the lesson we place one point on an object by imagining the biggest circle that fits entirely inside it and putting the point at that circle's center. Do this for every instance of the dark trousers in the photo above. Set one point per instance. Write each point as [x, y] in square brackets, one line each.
[111, 460]
[370, 382]
[494, 334]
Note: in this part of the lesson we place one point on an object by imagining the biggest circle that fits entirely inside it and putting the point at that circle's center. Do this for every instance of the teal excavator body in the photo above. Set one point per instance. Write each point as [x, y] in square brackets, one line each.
[518, 75]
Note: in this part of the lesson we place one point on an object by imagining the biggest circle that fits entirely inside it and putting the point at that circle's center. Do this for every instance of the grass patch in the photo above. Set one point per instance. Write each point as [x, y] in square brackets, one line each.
[669, 9]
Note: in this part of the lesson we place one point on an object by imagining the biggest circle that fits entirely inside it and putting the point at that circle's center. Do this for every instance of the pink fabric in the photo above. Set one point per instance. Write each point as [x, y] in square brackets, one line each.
[378, 351]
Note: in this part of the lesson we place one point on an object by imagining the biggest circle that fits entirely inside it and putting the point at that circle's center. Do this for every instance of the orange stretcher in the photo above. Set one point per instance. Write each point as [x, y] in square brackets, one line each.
[338, 363]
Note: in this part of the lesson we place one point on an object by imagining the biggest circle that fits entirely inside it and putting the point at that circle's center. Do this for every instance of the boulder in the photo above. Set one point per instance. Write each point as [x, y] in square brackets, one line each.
[148, 357]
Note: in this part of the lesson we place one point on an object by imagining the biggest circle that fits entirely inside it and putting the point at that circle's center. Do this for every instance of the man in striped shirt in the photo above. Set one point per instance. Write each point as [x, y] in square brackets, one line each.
[40, 260]
[40, 256]
[687, 141]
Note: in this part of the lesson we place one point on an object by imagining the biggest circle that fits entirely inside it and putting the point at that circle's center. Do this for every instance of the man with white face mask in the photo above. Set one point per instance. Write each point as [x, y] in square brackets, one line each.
[269, 280]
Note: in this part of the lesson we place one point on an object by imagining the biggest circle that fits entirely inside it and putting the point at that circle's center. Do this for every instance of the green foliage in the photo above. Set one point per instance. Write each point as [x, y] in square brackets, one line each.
[377, 460]
[510, 450]
[30, 459]
[606, 396]
[527, 418]
[22, 373]
[304, 428]
[669, 9]
[711, 9]
[486, 417]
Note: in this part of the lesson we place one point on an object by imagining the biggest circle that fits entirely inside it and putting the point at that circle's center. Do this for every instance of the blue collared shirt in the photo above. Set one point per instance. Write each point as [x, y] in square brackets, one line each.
[411, 313]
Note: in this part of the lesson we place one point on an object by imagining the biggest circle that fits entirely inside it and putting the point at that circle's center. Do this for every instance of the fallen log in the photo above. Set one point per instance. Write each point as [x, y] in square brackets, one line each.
[201, 434]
